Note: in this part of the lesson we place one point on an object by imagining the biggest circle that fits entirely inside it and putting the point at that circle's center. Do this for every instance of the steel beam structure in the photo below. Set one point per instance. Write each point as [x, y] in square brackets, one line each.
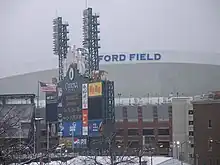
[60, 43]
[91, 39]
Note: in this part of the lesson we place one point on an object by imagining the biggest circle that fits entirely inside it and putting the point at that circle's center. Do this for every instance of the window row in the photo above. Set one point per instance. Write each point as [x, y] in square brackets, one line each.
[145, 132]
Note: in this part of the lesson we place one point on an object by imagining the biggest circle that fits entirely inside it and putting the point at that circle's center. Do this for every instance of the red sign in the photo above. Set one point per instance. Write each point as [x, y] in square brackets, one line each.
[85, 118]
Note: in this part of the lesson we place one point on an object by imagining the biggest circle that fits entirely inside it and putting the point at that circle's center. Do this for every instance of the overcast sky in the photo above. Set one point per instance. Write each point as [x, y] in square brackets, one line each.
[126, 26]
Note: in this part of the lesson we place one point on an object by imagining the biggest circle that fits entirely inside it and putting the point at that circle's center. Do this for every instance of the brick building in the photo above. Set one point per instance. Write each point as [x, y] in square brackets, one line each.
[206, 132]
[148, 125]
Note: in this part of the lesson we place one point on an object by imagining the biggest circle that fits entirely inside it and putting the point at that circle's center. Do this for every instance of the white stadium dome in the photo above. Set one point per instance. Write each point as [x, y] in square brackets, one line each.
[142, 74]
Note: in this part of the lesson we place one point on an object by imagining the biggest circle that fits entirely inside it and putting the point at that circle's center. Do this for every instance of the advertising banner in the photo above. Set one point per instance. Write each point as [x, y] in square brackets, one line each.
[84, 96]
[95, 89]
[51, 97]
[80, 143]
[95, 128]
[69, 127]
[84, 122]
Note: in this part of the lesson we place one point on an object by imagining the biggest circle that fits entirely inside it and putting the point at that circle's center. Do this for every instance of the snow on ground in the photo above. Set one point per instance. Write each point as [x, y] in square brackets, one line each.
[83, 160]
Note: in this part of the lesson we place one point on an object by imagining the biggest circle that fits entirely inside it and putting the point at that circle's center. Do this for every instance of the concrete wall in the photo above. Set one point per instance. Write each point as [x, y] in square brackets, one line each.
[180, 120]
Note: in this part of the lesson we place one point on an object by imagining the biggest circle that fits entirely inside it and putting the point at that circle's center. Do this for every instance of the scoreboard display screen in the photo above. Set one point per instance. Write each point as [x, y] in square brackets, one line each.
[95, 108]
[72, 107]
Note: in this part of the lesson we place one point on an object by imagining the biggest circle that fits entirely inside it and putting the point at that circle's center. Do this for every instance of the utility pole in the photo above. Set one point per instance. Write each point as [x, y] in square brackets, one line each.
[73, 130]
[20, 134]
[48, 140]
[110, 151]
[140, 156]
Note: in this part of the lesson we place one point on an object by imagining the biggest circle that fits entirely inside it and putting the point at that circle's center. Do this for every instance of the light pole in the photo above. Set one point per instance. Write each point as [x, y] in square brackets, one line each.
[179, 155]
[176, 145]
[20, 136]
[36, 121]
[130, 99]
[119, 97]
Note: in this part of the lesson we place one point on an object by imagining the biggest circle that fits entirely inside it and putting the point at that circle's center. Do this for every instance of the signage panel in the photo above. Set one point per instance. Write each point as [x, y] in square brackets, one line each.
[71, 104]
[68, 127]
[95, 89]
[51, 112]
[131, 57]
[84, 122]
[96, 108]
[84, 96]
[80, 143]
[95, 127]
[51, 97]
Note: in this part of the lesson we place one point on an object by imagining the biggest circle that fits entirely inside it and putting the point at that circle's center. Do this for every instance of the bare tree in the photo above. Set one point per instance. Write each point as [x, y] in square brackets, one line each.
[114, 155]
[12, 143]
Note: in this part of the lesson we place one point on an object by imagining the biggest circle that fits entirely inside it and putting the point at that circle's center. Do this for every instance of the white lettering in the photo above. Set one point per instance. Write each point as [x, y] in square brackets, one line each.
[71, 86]
[71, 74]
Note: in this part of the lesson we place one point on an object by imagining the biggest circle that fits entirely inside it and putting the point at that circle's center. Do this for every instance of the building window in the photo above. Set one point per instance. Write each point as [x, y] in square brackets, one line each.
[134, 144]
[170, 111]
[191, 133]
[120, 132]
[149, 140]
[133, 132]
[210, 141]
[43, 133]
[190, 122]
[210, 124]
[190, 112]
[148, 132]
[155, 115]
[163, 132]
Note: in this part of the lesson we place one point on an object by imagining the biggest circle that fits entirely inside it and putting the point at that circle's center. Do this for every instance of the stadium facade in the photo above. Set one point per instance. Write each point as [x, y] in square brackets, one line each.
[140, 74]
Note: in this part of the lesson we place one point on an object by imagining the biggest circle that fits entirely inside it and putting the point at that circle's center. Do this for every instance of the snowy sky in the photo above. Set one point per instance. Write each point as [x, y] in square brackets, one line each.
[126, 25]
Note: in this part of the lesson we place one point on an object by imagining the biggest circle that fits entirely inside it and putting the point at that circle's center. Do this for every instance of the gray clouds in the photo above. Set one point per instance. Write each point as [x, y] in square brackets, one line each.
[126, 26]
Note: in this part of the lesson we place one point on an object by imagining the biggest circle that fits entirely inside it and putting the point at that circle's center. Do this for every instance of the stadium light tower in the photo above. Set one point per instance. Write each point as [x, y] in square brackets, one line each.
[60, 43]
[91, 40]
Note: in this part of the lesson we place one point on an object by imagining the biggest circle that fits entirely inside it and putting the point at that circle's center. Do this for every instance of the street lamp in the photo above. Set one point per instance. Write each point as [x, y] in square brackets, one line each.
[176, 145]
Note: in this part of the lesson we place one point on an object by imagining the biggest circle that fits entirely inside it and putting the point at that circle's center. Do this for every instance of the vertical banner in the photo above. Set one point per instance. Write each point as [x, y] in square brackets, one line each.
[84, 96]
[85, 122]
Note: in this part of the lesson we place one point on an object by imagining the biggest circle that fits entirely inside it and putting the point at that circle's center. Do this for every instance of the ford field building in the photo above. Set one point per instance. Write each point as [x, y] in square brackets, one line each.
[140, 74]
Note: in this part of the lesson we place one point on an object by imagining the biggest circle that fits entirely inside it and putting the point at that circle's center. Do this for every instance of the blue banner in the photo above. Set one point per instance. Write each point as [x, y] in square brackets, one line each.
[94, 127]
[68, 128]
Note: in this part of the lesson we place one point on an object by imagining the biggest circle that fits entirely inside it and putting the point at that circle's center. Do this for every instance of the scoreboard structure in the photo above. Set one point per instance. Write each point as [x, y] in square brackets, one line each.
[101, 110]
[82, 108]
[101, 101]
[70, 114]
